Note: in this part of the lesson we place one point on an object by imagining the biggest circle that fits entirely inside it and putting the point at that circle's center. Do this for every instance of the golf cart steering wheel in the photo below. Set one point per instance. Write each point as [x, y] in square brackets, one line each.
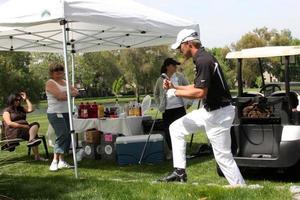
[267, 90]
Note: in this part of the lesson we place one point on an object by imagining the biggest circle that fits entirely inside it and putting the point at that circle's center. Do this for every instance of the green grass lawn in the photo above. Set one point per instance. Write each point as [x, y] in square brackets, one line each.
[23, 178]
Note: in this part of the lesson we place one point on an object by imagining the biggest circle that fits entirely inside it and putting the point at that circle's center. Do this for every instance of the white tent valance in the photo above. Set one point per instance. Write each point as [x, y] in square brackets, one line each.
[92, 25]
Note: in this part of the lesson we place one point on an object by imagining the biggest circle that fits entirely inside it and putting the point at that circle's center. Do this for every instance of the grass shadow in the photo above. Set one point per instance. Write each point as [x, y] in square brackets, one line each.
[8, 158]
[110, 166]
[30, 187]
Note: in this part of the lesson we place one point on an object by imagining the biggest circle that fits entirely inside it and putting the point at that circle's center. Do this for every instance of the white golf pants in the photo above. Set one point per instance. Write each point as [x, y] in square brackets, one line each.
[217, 125]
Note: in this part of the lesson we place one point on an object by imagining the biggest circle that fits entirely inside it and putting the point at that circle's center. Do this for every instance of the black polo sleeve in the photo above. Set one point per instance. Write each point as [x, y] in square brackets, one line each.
[203, 73]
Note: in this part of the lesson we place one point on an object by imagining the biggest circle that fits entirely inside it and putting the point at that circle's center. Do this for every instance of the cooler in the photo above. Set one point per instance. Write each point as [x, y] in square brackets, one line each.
[129, 149]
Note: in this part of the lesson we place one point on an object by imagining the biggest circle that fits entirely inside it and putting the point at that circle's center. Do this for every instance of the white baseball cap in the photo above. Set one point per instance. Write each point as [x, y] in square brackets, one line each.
[185, 35]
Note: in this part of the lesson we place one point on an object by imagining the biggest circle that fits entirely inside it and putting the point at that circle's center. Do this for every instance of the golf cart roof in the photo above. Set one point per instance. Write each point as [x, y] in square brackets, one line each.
[263, 52]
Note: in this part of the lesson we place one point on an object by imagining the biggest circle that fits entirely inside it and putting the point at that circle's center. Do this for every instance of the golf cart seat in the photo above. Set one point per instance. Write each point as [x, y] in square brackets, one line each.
[280, 111]
[252, 94]
[287, 114]
[293, 97]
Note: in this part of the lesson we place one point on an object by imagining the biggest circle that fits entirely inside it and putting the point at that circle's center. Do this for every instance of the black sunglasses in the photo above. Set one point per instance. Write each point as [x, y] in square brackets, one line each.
[59, 69]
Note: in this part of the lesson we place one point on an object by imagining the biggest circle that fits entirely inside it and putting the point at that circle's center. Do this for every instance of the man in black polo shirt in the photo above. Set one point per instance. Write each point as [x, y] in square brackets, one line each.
[215, 118]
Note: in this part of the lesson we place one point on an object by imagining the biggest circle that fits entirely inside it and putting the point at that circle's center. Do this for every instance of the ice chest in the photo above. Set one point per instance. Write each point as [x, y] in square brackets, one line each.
[129, 149]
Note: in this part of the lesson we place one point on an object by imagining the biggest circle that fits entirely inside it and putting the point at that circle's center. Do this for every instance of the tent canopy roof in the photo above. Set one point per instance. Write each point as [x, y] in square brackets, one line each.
[92, 25]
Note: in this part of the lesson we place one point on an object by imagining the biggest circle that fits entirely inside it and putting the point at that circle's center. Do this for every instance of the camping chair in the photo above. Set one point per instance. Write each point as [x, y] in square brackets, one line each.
[10, 144]
[146, 104]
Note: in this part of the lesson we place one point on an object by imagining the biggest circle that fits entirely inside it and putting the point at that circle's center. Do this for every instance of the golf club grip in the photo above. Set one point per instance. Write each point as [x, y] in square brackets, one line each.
[164, 76]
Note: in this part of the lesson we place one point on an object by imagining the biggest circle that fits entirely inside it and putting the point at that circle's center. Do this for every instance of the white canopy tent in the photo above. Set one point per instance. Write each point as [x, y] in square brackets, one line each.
[71, 26]
[92, 25]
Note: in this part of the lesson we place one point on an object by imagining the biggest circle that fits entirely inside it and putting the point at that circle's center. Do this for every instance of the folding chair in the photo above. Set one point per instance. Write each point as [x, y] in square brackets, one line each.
[42, 137]
[6, 143]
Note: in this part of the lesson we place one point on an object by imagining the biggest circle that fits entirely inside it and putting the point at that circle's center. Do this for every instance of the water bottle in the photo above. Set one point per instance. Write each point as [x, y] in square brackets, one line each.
[106, 112]
[100, 111]
[94, 109]
[75, 111]
[81, 110]
[117, 108]
[136, 109]
[86, 110]
[126, 110]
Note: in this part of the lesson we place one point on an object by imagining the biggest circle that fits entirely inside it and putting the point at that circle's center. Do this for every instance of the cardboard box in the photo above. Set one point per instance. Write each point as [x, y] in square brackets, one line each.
[129, 149]
[92, 136]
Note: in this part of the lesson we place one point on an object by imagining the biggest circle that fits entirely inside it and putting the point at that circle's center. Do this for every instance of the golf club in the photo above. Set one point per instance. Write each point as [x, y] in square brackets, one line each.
[164, 76]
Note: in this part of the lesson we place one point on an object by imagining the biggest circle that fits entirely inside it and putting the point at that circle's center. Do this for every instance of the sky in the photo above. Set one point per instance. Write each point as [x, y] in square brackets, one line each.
[223, 22]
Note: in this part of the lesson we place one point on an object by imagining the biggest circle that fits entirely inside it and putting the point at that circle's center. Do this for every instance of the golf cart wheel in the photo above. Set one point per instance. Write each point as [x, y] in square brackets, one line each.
[293, 171]
[219, 171]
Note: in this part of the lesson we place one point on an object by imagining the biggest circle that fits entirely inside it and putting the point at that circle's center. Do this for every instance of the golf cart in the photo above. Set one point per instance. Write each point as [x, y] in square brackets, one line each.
[266, 129]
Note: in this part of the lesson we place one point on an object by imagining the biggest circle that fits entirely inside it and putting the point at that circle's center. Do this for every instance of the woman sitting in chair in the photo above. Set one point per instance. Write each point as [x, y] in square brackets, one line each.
[16, 126]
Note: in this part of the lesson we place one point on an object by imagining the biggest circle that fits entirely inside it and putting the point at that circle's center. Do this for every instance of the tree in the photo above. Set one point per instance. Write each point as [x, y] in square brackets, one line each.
[260, 37]
[141, 66]
[282, 38]
[97, 71]
[249, 40]
[16, 76]
[229, 72]
[40, 64]
[117, 86]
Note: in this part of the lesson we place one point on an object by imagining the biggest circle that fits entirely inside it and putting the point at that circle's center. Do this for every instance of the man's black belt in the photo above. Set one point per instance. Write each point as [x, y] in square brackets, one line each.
[210, 108]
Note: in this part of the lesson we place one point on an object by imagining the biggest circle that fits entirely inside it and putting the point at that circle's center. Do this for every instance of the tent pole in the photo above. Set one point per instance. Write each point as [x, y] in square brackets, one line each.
[73, 80]
[63, 25]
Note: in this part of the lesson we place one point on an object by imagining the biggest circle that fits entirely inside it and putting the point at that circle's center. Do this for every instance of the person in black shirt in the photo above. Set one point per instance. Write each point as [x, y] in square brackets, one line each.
[215, 117]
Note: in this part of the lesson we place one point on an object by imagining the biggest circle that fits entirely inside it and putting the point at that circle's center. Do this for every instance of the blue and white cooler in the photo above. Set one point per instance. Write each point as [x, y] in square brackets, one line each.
[129, 149]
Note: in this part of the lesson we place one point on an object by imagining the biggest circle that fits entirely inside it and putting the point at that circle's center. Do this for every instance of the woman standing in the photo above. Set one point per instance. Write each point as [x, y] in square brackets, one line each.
[57, 112]
[171, 107]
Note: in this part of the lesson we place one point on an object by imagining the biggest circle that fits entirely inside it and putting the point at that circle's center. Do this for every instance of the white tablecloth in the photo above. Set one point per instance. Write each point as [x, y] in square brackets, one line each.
[131, 125]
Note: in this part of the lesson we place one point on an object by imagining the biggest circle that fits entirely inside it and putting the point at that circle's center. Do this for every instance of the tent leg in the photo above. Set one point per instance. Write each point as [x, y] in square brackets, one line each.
[73, 79]
[63, 25]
